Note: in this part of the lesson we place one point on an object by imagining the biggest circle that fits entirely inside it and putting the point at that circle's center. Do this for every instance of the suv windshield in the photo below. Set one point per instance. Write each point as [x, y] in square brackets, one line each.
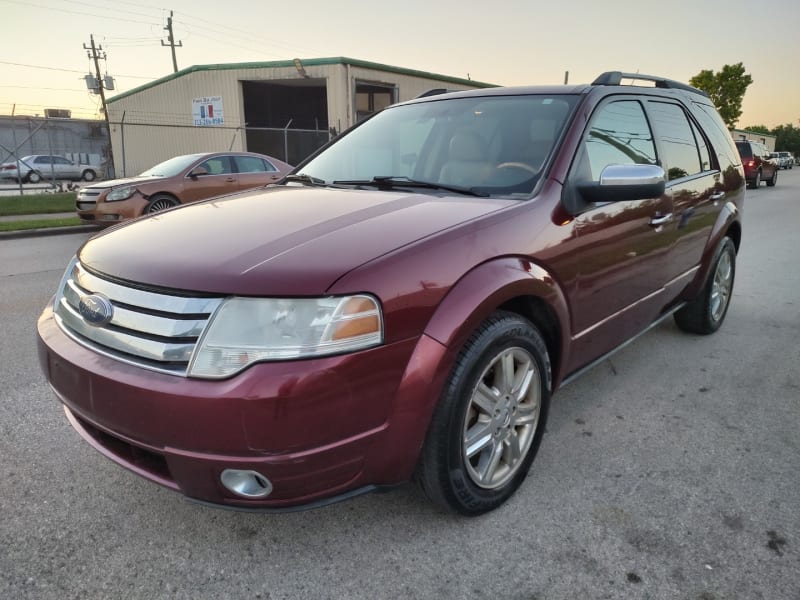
[486, 145]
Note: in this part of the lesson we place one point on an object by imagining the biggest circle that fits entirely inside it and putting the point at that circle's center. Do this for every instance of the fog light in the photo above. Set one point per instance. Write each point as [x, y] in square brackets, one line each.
[248, 484]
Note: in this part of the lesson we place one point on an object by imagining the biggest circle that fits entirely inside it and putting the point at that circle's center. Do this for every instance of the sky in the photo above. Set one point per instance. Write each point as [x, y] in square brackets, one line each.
[504, 42]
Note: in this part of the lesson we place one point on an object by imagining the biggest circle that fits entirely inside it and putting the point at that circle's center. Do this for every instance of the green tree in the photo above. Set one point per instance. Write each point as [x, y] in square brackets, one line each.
[726, 89]
[787, 138]
[759, 129]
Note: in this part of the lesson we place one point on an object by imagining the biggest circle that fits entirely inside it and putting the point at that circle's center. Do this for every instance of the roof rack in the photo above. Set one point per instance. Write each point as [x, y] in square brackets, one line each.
[616, 77]
[436, 92]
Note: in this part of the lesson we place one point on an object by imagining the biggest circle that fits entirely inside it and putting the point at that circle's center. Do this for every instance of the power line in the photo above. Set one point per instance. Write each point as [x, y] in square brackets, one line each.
[27, 87]
[75, 12]
[16, 64]
[115, 10]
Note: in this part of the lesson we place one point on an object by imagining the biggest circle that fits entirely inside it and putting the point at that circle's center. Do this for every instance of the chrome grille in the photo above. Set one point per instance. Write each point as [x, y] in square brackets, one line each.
[154, 330]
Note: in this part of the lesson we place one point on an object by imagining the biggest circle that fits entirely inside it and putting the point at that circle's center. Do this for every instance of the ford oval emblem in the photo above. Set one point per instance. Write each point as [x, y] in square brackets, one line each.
[96, 309]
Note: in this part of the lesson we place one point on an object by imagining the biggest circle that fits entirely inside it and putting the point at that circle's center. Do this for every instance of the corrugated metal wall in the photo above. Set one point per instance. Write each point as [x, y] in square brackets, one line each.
[156, 123]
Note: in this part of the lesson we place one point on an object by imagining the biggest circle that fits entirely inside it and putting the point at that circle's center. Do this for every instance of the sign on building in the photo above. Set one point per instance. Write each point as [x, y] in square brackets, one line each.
[207, 111]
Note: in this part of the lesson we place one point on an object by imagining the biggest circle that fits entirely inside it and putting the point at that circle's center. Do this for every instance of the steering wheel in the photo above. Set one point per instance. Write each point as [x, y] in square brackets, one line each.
[518, 165]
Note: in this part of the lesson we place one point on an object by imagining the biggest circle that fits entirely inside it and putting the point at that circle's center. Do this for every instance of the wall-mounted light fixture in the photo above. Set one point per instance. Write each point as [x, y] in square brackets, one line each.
[299, 66]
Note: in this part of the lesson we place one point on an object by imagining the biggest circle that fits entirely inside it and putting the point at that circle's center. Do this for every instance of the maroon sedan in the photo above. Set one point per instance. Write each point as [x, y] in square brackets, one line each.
[405, 303]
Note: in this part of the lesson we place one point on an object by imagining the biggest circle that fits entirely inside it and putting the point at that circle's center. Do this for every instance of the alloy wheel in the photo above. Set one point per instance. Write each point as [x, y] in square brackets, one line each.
[501, 418]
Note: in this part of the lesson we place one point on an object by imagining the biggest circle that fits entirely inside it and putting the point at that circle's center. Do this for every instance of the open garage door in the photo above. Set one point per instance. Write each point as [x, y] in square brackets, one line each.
[287, 119]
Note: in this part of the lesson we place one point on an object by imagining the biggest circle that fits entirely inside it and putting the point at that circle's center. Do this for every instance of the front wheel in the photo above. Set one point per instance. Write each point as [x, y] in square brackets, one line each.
[160, 202]
[705, 313]
[490, 419]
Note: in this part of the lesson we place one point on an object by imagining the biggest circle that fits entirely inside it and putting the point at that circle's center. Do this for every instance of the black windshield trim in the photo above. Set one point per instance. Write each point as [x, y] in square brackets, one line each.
[389, 182]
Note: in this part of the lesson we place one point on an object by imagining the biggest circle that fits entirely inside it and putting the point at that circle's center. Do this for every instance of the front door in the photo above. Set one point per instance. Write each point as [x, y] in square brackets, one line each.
[220, 179]
[622, 245]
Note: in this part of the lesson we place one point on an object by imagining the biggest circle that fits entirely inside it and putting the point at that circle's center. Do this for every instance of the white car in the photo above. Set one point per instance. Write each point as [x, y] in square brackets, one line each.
[787, 160]
[36, 167]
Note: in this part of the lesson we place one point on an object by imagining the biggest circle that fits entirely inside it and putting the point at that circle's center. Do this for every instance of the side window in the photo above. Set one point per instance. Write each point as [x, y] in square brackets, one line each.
[619, 135]
[61, 161]
[718, 135]
[219, 165]
[42, 160]
[677, 141]
[705, 153]
[252, 164]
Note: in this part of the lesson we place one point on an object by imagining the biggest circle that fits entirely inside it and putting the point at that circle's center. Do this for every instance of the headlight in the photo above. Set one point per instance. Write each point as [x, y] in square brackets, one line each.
[121, 193]
[244, 331]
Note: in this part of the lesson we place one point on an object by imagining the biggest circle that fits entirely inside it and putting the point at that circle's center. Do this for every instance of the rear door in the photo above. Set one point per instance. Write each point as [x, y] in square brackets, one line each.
[254, 171]
[693, 185]
[44, 166]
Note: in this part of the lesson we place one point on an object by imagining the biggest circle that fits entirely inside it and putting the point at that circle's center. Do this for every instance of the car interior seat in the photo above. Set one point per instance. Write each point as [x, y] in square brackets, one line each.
[467, 163]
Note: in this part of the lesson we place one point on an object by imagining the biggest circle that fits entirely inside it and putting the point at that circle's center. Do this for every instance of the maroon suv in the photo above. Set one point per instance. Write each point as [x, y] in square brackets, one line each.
[758, 164]
[405, 303]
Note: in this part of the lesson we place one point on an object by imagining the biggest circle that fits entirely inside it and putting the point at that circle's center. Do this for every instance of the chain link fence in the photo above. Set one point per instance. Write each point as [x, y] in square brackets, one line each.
[139, 144]
[83, 141]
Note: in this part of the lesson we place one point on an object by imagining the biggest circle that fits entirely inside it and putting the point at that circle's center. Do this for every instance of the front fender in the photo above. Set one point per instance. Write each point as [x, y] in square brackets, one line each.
[494, 284]
[468, 303]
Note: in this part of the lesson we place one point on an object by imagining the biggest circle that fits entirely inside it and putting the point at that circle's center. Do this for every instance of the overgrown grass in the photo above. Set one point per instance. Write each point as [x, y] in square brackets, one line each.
[39, 224]
[37, 204]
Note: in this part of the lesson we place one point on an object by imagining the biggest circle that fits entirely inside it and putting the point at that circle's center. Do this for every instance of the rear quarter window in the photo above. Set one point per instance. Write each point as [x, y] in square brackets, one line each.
[718, 135]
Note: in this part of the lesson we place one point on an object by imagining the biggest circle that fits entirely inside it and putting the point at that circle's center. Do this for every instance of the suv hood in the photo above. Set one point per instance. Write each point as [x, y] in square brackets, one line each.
[277, 241]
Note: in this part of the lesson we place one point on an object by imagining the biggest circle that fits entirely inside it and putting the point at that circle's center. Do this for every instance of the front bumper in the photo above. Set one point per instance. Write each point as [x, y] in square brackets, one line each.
[316, 429]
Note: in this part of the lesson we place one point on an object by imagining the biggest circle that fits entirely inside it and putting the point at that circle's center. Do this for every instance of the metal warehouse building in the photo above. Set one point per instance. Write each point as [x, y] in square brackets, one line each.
[286, 109]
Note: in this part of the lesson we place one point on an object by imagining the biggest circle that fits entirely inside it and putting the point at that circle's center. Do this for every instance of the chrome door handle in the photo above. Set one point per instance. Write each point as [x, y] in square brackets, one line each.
[660, 220]
[717, 196]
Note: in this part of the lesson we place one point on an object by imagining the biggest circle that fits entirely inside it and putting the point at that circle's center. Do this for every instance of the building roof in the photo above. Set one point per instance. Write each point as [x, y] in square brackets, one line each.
[307, 62]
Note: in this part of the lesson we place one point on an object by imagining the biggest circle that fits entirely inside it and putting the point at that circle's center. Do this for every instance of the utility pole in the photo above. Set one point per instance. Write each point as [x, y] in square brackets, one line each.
[96, 53]
[171, 43]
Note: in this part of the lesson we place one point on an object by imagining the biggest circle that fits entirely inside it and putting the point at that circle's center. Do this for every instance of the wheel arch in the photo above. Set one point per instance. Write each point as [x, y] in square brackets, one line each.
[728, 225]
[513, 284]
[150, 197]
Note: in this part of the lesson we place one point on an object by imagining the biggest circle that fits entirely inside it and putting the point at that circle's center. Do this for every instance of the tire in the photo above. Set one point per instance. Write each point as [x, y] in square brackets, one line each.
[771, 182]
[34, 177]
[705, 314]
[88, 175]
[490, 419]
[160, 202]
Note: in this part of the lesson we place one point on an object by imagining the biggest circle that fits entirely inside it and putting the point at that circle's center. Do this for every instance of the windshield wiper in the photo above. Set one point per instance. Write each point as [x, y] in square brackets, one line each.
[388, 182]
[303, 178]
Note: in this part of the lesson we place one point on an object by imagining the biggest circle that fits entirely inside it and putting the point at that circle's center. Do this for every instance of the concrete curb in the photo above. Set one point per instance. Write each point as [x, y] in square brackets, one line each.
[25, 233]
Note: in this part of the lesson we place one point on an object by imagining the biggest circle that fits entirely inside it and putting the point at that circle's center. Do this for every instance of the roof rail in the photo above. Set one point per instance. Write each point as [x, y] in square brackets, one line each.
[436, 92]
[616, 77]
